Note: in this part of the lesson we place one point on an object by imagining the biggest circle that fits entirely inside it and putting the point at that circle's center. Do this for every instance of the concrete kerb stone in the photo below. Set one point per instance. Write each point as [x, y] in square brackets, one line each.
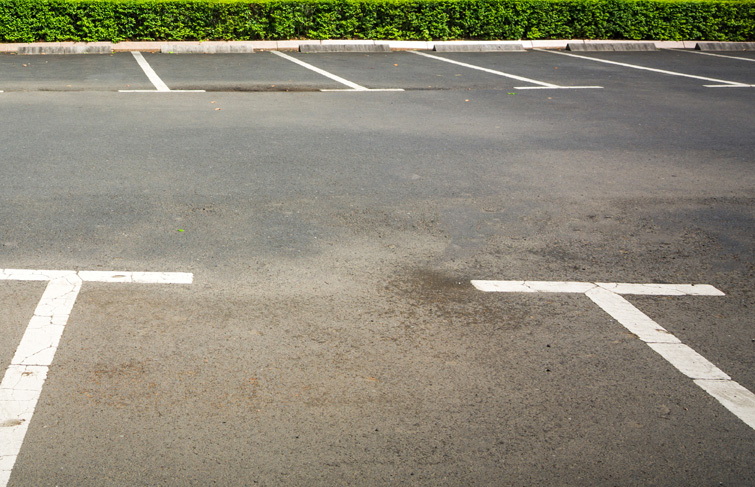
[725, 46]
[64, 48]
[293, 45]
[611, 46]
[462, 46]
[207, 48]
[344, 47]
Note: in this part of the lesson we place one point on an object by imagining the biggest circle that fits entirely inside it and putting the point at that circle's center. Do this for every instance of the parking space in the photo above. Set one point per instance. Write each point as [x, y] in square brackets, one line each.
[71, 73]
[406, 70]
[708, 70]
[260, 71]
[417, 70]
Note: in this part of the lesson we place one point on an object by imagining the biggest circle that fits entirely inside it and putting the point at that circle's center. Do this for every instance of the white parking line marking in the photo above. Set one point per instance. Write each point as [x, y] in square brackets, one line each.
[606, 295]
[716, 55]
[350, 84]
[632, 318]
[160, 86]
[153, 77]
[22, 384]
[541, 85]
[728, 84]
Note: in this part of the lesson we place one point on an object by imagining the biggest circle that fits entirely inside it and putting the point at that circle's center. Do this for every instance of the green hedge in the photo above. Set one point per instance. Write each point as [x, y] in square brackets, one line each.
[119, 20]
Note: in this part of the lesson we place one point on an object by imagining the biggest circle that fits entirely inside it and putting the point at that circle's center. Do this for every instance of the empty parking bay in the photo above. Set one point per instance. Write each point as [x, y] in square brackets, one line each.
[704, 70]
[409, 71]
[71, 73]
[261, 71]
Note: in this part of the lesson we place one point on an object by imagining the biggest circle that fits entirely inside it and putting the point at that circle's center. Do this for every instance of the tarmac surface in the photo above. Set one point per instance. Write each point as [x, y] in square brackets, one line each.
[331, 334]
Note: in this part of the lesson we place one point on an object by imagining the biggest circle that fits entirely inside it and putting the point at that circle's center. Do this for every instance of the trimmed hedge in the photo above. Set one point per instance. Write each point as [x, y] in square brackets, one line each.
[119, 20]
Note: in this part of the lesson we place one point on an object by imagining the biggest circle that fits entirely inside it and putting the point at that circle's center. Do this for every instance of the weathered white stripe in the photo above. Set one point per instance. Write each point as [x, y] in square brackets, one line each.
[541, 84]
[733, 396]
[22, 384]
[317, 70]
[632, 318]
[688, 362]
[153, 77]
[23, 380]
[661, 289]
[654, 70]
[533, 286]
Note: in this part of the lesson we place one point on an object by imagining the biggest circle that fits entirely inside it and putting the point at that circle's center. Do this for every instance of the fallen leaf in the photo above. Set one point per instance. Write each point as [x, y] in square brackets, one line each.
[180, 229]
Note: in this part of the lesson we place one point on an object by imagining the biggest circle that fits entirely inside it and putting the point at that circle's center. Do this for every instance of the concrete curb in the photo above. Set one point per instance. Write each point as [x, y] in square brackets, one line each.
[294, 45]
[611, 46]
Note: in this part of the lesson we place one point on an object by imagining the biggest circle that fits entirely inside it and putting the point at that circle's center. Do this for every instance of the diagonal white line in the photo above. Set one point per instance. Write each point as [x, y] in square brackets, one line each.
[644, 68]
[734, 397]
[153, 77]
[332, 76]
[486, 70]
[23, 380]
[632, 318]
[716, 55]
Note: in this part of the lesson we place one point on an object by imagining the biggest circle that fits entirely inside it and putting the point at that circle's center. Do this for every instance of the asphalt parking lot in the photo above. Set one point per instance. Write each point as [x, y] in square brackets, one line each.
[340, 233]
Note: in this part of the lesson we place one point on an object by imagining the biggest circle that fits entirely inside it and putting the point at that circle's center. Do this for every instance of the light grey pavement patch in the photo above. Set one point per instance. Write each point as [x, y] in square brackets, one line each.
[541, 85]
[724, 83]
[353, 86]
[22, 384]
[160, 86]
[710, 378]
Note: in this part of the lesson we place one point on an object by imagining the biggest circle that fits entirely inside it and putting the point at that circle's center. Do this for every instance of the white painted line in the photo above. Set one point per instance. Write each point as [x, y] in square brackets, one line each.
[632, 318]
[158, 91]
[716, 55]
[486, 70]
[368, 89]
[31, 275]
[558, 87]
[137, 277]
[343, 81]
[23, 380]
[153, 77]
[22, 384]
[163, 277]
[654, 70]
[734, 397]
[729, 86]
[688, 362]
[533, 286]
[661, 289]
[541, 85]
